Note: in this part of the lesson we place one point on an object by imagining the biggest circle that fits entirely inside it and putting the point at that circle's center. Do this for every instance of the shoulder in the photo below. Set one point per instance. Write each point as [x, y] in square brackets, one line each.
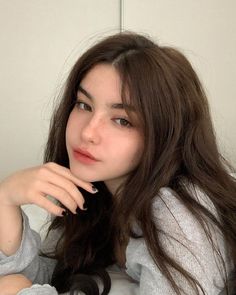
[173, 218]
[171, 215]
[175, 223]
[168, 199]
[183, 239]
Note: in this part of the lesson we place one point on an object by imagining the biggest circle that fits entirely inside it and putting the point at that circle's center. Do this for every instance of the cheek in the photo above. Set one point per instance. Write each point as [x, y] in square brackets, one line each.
[68, 129]
[72, 125]
[137, 156]
[133, 151]
[71, 129]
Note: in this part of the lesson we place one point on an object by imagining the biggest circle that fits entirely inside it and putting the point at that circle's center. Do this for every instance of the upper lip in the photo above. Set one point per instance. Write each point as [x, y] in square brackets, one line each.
[86, 153]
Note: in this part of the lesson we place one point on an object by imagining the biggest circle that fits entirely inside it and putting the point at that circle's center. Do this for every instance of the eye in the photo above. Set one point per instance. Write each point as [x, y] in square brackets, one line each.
[83, 106]
[123, 122]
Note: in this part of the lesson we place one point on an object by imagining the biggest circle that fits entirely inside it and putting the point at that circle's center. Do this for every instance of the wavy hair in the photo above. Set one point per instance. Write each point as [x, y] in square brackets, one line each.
[180, 145]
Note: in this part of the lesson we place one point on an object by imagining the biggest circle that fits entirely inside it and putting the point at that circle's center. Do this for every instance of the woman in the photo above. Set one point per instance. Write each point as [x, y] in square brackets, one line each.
[138, 180]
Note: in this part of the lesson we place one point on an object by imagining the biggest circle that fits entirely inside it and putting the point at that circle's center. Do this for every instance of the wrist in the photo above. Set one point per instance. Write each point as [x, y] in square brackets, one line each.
[5, 200]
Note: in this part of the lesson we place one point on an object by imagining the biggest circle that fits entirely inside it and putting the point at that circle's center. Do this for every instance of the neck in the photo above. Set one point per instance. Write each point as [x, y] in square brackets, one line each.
[114, 185]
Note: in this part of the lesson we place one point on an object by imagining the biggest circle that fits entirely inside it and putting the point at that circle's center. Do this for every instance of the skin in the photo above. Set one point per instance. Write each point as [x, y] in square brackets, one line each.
[31, 186]
[99, 125]
[12, 284]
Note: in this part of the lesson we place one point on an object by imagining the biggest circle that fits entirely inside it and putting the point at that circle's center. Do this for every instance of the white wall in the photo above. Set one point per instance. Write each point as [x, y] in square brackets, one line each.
[206, 31]
[39, 42]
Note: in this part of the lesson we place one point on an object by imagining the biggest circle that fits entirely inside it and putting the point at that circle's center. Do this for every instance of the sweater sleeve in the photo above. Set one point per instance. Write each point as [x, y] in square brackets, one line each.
[185, 241]
[39, 290]
[27, 260]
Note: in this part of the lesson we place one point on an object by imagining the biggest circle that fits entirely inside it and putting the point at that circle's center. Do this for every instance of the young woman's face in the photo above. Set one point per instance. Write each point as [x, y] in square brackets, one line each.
[103, 143]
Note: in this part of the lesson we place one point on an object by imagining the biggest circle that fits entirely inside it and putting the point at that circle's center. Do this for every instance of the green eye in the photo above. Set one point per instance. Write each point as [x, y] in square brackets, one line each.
[83, 106]
[123, 122]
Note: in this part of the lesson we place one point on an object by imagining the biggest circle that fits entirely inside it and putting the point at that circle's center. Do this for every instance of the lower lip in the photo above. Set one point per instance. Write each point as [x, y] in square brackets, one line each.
[83, 158]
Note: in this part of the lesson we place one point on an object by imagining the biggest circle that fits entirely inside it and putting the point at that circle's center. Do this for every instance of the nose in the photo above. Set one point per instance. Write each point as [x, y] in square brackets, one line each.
[91, 130]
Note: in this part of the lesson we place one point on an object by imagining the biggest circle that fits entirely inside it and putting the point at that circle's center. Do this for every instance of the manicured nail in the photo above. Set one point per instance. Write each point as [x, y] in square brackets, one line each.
[79, 210]
[85, 208]
[95, 190]
[65, 213]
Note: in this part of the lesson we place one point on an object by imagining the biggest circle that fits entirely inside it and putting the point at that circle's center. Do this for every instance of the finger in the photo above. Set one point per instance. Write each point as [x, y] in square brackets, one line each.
[67, 188]
[63, 171]
[63, 197]
[43, 202]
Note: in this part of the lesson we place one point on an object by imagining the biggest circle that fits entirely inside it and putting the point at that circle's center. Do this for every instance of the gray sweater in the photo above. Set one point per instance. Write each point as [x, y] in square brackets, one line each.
[184, 240]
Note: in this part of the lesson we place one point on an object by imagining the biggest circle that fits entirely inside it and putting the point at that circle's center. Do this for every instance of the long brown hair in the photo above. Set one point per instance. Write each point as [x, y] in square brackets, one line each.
[180, 146]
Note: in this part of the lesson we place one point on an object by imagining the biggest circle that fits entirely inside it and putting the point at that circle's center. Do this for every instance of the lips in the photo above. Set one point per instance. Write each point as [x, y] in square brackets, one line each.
[84, 156]
[85, 153]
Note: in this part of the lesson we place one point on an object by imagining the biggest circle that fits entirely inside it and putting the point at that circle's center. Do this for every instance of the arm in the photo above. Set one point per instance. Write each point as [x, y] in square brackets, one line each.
[12, 284]
[28, 266]
[31, 186]
[10, 231]
[188, 246]
[20, 285]
[19, 245]
[26, 259]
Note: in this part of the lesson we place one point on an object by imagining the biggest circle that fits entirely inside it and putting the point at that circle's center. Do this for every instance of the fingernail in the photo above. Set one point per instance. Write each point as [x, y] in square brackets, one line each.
[65, 213]
[79, 210]
[95, 190]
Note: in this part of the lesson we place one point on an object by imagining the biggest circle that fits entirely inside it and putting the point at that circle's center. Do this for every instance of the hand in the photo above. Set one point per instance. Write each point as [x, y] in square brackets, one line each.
[12, 284]
[33, 185]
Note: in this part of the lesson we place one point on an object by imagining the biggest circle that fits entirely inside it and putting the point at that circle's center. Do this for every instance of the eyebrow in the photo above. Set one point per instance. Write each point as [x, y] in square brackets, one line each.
[119, 106]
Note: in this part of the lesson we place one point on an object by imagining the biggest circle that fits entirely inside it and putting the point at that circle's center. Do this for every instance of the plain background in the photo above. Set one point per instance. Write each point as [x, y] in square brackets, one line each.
[41, 39]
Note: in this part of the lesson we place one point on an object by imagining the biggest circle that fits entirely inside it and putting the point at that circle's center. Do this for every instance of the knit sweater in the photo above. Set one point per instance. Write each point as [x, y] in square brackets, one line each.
[181, 236]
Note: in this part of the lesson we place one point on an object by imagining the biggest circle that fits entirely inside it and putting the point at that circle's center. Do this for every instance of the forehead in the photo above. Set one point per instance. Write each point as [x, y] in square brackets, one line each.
[104, 80]
[103, 85]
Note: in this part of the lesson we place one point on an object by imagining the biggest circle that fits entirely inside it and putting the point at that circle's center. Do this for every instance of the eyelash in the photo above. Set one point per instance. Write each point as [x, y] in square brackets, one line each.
[79, 103]
[127, 123]
[86, 107]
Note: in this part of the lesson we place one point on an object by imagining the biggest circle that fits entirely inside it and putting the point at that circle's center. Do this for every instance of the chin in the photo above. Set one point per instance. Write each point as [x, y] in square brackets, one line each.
[87, 177]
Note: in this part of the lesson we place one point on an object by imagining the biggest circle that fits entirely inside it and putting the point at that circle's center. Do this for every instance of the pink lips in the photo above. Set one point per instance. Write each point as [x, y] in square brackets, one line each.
[84, 156]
